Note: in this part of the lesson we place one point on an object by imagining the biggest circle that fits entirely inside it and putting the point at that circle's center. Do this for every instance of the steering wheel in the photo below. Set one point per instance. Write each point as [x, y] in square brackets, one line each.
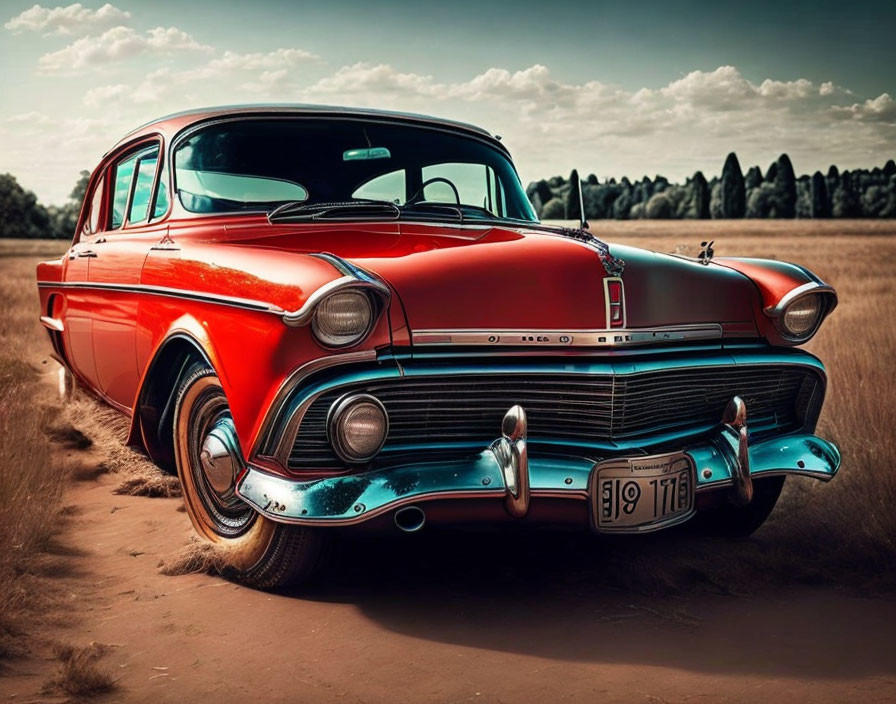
[417, 197]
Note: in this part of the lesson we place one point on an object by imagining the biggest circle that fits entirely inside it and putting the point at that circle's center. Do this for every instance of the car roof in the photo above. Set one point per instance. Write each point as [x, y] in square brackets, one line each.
[170, 125]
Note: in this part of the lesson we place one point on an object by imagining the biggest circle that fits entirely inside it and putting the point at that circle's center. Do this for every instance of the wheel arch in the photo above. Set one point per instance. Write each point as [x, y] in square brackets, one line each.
[152, 420]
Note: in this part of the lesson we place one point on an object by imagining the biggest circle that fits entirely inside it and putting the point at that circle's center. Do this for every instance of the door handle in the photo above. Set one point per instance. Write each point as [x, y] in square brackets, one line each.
[85, 253]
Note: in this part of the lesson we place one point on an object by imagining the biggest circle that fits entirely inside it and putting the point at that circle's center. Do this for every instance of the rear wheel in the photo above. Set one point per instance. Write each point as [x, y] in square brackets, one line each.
[259, 552]
[731, 520]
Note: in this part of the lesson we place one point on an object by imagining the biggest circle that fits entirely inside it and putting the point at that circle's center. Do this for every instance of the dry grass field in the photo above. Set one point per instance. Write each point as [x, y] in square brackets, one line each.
[842, 533]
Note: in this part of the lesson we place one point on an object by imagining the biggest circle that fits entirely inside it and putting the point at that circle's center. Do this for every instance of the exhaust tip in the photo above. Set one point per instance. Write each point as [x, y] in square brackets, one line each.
[410, 519]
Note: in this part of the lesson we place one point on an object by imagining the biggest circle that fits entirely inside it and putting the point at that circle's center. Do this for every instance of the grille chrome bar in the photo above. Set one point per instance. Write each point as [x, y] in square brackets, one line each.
[578, 410]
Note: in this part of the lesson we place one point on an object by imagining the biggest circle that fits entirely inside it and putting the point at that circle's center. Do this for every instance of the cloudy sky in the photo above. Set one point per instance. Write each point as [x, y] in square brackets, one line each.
[614, 88]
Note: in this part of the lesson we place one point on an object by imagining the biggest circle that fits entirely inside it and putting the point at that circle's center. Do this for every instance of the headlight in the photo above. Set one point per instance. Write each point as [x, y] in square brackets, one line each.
[801, 317]
[357, 427]
[342, 319]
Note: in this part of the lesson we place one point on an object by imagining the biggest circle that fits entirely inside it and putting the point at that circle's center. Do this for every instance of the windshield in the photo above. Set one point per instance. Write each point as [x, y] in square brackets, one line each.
[260, 164]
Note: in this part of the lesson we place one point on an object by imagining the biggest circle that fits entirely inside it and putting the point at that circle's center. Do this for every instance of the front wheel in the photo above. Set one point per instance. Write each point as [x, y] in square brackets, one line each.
[733, 521]
[259, 552]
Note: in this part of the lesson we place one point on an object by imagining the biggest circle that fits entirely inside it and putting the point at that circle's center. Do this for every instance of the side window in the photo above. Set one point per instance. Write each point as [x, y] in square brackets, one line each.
[476, 185]
[92, 223]
[124, 174]
[389, 187]
[161, 199]
[146, 173]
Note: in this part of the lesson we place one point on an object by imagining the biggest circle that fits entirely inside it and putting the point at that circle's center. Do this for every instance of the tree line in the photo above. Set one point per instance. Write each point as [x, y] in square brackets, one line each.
[21, 215]
[778, 193]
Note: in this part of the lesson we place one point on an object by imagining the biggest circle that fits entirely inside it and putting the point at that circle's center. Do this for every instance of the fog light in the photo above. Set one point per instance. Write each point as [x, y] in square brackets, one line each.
[357, 427]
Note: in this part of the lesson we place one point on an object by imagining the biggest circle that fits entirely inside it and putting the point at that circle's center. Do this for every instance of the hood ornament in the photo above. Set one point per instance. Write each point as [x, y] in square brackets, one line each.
[706, 254]
[614, 266]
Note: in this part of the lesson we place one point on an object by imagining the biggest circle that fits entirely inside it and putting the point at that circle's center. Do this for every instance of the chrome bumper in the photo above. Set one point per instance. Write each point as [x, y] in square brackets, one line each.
[505, 471]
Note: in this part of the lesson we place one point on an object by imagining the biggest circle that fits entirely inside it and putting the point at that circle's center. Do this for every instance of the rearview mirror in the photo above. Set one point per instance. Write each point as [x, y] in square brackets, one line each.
[366, 154]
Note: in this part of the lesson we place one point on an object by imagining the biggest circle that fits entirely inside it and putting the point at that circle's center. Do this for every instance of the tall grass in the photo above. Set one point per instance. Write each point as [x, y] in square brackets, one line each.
[32, 482]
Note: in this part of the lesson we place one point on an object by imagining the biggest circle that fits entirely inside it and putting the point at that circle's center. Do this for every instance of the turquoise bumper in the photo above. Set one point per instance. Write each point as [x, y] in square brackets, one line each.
[353, 499]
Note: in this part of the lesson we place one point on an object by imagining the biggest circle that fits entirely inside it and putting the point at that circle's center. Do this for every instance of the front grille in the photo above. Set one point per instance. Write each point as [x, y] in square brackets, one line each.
[456, 413]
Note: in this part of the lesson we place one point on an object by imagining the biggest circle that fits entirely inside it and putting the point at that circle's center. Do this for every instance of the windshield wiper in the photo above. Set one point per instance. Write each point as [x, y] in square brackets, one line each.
[347, 210]
[433, 208]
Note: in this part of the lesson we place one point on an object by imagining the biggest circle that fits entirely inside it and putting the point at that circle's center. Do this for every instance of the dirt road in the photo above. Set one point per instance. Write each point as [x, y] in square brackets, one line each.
[426, 618]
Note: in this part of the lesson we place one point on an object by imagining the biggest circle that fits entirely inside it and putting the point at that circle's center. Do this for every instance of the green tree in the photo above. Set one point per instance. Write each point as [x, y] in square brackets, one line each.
[80, 189]
[20, 213]
[733, 194]
[573, 204]
[701, 196]
[785, 188]
[821, 204]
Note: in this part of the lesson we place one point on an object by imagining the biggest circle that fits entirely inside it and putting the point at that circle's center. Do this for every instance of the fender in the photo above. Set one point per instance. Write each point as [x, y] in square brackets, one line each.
[185, 328]
[778, 283]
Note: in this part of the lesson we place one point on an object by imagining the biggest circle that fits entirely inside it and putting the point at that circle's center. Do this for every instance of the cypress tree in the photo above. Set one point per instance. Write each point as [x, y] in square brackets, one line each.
[734, 196]
[821, 204]
[573, 204]
[701, 196]
[785, 185]
[753, 179]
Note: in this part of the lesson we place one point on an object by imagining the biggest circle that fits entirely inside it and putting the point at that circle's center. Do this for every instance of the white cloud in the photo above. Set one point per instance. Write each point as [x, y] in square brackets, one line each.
[117, 44]
[881, 109]
[550, 125]
[71, 19]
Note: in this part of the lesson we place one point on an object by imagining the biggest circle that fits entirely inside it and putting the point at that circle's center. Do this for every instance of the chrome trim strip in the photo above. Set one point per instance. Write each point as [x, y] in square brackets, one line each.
[810, 288]
[296, 377]
[609, 305]
[798, 292]
[52, 323]
[352, 277]
[618, 337]
[150, 290]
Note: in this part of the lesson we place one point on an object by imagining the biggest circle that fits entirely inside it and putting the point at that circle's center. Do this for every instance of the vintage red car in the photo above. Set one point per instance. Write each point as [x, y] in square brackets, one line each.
[326, 317]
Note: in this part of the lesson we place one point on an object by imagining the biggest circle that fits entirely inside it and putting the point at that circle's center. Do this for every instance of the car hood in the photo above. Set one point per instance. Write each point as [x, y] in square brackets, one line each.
[496, 278]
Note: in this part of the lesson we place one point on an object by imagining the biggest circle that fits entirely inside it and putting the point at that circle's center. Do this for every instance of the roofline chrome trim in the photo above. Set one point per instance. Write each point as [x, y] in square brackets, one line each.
[315, 109]
[615, 337]
[147, 289]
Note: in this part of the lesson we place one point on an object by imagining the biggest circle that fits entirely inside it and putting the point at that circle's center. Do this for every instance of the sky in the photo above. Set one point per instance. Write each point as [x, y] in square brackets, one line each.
[611, 88]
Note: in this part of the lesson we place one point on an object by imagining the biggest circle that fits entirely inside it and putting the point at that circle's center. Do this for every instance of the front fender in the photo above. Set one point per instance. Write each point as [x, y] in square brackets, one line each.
[777, 283]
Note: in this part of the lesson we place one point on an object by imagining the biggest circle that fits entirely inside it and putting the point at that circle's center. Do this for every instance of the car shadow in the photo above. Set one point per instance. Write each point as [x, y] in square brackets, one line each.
[671, 600]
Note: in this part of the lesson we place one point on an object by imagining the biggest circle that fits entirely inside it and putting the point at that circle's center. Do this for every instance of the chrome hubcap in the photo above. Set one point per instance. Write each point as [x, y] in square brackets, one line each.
[220, 457]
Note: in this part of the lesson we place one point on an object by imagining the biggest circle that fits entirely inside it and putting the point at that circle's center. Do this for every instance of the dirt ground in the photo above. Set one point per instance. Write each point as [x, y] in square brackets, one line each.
[439, 618]
[498, 617]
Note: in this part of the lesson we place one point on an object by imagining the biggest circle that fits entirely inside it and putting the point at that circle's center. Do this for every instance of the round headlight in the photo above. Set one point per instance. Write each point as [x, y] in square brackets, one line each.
[357, 427]
[801, 316]
[342, 319]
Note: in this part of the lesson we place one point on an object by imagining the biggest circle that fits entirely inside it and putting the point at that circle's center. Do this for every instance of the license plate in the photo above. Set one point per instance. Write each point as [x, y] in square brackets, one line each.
[637, 494]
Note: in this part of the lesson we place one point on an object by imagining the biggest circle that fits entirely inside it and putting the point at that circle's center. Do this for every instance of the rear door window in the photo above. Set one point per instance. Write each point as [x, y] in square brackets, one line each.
[143, 182]
[124, 175]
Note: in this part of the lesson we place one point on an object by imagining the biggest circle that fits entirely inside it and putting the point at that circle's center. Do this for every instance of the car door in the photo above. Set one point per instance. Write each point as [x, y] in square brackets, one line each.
[79, 300]
[115, 268]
